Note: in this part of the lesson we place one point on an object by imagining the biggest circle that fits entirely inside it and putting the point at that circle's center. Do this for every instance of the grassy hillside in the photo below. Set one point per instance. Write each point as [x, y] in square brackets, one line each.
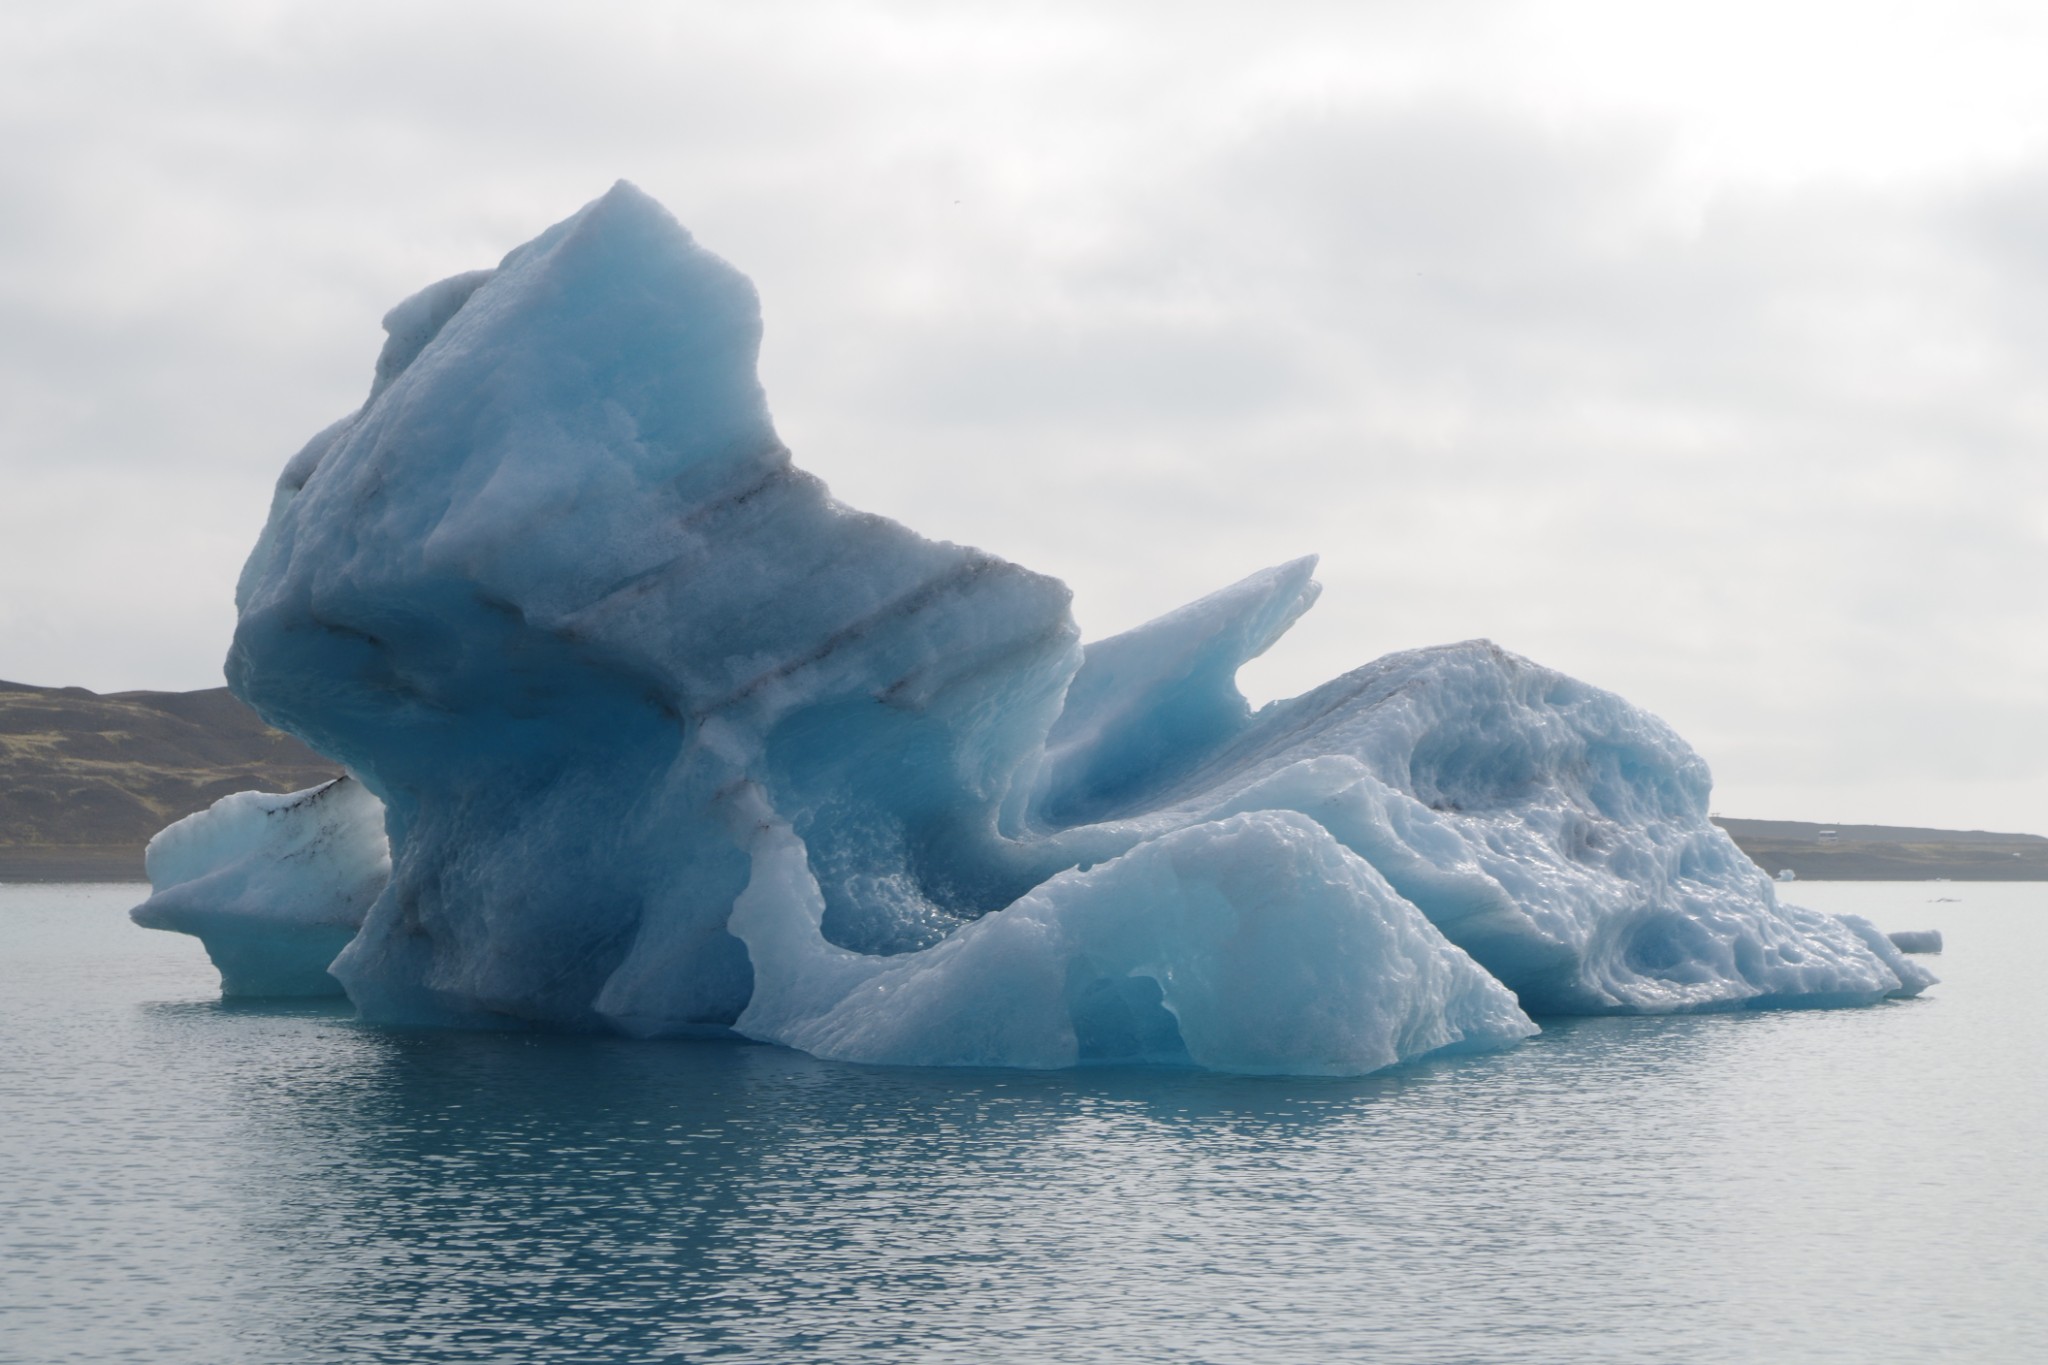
[86, 779]
[1889, 853]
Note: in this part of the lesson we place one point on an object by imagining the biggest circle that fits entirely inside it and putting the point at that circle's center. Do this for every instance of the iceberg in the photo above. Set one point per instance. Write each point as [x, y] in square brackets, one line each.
[668, 742]
[274, 886]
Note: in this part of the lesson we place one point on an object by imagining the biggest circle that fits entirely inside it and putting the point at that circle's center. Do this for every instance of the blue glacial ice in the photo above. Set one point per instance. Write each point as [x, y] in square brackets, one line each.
[669, 742]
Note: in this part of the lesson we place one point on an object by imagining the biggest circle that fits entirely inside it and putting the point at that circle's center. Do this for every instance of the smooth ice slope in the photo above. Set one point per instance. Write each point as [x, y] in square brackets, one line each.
[274, 886]
[672, 742]
[1252, 944]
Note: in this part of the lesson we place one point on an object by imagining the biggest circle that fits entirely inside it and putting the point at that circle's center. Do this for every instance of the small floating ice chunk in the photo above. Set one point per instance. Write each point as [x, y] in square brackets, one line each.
[274, 885]
[1916, 940]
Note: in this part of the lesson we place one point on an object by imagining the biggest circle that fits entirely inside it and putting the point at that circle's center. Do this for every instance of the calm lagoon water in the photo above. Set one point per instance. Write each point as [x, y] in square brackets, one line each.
[187, 1181]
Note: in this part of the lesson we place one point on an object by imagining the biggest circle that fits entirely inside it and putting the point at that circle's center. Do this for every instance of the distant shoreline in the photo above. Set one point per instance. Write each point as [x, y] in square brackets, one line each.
[1888, 853]
[87, 779]
[1812, 851]
[120, 863]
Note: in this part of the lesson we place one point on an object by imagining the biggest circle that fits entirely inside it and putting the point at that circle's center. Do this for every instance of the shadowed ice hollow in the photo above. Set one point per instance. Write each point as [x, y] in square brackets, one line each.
[669, 742]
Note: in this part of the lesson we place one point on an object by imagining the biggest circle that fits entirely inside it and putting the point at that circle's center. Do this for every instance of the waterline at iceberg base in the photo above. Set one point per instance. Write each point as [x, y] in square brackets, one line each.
[665, 741]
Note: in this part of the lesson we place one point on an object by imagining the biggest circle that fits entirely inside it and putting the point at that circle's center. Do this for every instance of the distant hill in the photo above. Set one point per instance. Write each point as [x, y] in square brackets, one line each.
[1888, 853]
[86, 779]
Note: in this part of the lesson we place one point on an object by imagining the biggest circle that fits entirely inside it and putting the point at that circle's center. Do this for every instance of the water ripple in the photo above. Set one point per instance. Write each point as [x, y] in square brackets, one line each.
[189, 1181]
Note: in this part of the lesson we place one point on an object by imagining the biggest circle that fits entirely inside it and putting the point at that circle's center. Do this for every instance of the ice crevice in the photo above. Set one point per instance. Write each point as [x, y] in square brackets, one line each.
[648, 734]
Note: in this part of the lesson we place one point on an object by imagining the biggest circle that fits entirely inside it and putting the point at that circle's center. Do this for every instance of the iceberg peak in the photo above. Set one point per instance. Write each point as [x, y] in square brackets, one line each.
[1154, 702]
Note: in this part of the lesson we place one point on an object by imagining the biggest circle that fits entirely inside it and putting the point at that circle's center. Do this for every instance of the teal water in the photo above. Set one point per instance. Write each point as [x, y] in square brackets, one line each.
[184, 1181]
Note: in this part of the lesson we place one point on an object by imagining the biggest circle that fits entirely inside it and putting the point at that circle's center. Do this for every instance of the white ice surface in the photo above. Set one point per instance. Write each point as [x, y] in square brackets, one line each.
[273, 885]
[1255, 943]
[671, 742]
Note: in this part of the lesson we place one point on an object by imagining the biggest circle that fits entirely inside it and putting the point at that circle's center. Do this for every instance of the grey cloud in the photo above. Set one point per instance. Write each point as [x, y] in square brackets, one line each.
[1766, 470]
[1103, 296]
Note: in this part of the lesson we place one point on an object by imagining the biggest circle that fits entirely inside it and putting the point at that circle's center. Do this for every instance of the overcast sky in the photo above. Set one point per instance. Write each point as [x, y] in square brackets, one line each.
[1696, 350]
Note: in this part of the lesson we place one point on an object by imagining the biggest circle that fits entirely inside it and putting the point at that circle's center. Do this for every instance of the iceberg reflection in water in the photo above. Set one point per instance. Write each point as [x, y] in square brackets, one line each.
[189, 1181]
